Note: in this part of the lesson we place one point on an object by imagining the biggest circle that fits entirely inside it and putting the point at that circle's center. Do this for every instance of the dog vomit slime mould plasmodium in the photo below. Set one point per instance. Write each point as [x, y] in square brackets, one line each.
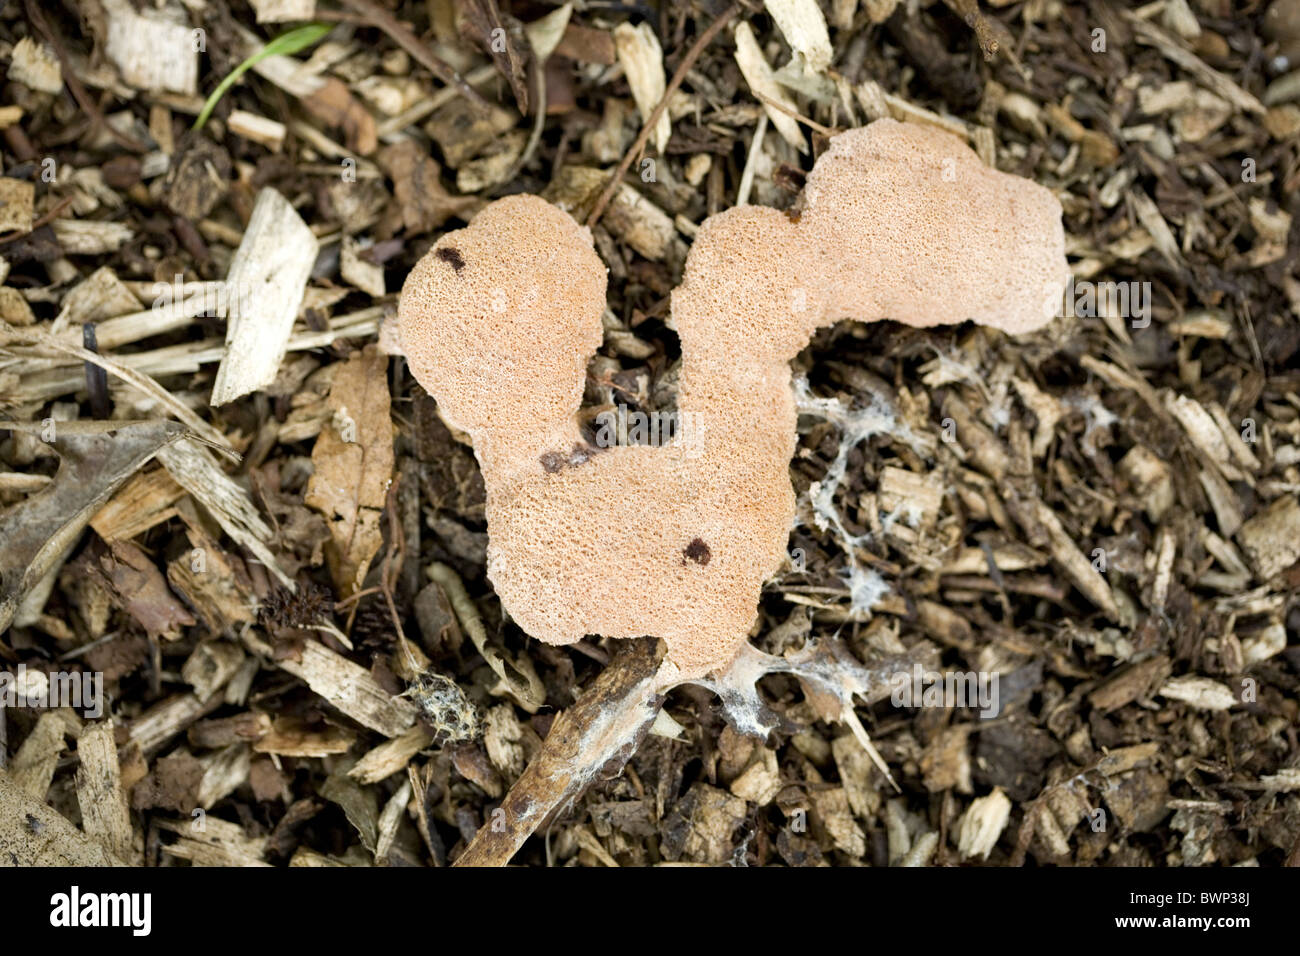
[498, 322]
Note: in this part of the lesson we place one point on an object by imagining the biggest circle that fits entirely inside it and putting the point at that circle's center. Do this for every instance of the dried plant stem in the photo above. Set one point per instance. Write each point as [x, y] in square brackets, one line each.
[603, 725]
[796, 115]
[518, 675]
[693, 54]
[409, 42]
[145, 383]
[602, 730]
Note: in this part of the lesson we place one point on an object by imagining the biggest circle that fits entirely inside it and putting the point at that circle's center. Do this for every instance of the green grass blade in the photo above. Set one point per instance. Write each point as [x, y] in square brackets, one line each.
[286, 44]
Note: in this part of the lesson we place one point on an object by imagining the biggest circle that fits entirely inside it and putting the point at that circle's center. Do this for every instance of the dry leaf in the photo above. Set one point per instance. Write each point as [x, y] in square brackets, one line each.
[425, 205]
[503, 39]
[142, 591]
[97, 458]
[334, 105]
[353, 461]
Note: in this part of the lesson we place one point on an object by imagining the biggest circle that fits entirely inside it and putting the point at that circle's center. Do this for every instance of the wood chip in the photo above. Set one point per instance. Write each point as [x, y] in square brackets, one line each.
[34, 65]
[195, 471]
[152, 50]
[264, 290]
[642, 59]
[1271, 539]
[33, 834]
[762, 82]
[259, 129]
[33, 766]
[390, 757]
[982, 824]
[104, 810]
[348, 686]
[804, 27]
[1200, 692]
[284, 11]
[16, 202]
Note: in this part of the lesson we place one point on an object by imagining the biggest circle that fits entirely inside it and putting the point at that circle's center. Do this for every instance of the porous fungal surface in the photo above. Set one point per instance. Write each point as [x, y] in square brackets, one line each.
[499, 320]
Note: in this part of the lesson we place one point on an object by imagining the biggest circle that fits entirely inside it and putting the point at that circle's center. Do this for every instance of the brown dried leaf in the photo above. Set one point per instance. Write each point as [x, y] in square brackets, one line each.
[142, 591]
[97, 458]
[333, 104]
[424, 203]
[503, 39]
[353, 461]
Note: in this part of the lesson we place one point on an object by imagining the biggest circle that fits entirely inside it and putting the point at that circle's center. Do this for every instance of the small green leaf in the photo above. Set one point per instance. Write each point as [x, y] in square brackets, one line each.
[286, 44]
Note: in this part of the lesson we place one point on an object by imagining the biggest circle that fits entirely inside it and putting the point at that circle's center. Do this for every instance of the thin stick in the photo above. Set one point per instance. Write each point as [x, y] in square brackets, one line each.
[44, 342]
[539, 124]
[795, 114]
[44, 220]
[755, 147]
[74, 84]
[612, 714]
[409, 42]
[394, 555]
[693, 54]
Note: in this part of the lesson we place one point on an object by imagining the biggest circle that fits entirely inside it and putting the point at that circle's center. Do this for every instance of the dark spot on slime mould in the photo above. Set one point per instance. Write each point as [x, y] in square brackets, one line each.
[452, 256]
[697, 551]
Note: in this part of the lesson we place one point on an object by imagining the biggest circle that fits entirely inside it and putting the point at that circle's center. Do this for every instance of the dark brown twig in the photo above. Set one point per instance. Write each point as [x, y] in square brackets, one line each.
[45, 219]
[96, 377]
[408, 41]
[693, 54]
[74, 85]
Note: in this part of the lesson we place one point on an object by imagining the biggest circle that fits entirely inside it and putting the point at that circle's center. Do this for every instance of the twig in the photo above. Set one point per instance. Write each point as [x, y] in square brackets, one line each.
[394, 555]
[44, 342]
[616, 710]
[74, 84]
[755, 147]
[523, 682]
[795, 114]
[48, 217]
[539, 123]
[985, 32]
[409, 42]
[693, 54]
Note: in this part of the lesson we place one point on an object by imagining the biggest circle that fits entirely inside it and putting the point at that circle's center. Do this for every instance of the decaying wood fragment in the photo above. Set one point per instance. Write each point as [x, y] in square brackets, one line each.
[259, 129]
[390, 757]
[601, 728]
[16, 198]
[33, 834]
[348, 686]
[211, 666]
[264, 289]
[155, 50]
[803, 25]
[194, 470]
[761, 79]
[149, 498]
[167, 718]
[207, 840]
[34, 65]
[642, 59]
[32, 768]
[103, 802]
[281, 11]
[1271, 539]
